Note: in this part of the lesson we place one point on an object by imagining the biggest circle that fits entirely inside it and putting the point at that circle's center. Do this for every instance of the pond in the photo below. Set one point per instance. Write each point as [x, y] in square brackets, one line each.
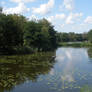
[69, 71]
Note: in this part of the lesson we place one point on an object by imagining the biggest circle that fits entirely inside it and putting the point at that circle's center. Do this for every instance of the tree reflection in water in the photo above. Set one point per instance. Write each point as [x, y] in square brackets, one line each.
[15, 70]
[90, 52]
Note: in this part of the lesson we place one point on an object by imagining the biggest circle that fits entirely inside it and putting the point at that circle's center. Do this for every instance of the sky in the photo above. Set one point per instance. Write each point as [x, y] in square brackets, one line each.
[65, 15]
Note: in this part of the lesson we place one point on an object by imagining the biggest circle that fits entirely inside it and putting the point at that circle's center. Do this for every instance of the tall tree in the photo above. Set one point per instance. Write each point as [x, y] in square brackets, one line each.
[11, 35]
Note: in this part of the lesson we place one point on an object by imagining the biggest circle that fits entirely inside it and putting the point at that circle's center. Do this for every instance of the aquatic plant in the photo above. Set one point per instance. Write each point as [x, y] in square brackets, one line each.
[86, 88]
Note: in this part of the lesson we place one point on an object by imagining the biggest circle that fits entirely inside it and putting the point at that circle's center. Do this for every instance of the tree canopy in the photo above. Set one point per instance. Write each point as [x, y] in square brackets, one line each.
[90, 35]
[72, 37]
[18, 32]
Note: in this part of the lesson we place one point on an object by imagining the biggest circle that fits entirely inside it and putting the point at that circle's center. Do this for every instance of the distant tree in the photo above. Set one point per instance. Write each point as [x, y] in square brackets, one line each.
[90, 36]
[72, 36]
[1, 10]
[90, 52]
[85, 36]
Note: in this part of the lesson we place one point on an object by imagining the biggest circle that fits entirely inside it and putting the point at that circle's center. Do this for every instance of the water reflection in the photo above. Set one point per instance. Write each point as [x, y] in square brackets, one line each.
[73, 67]
[70, 71]
[90, 52]
[86, 88]
[15, 70]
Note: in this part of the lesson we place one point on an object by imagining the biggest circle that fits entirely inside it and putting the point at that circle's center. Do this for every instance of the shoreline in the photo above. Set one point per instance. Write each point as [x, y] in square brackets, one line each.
[75, 44]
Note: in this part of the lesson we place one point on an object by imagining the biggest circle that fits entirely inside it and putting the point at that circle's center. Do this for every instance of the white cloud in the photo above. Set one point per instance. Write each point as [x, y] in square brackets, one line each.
[88, 20]
[22, 1]
[82, 24]
[69, 19]
[44, 8]
[60, 16]
[73, 17]
[20, 9]
[56, 17]
[51, 18]
[52, 72]
[33, 17]
[78, 14]
[62, 25]
[68, 4]
[68, 77]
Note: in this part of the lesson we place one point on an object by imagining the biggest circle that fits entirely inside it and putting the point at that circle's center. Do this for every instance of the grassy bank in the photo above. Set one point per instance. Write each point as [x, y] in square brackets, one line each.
[75, 44]
[39, 56]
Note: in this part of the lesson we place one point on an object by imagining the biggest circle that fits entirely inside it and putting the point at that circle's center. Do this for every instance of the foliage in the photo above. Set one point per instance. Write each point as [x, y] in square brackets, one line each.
[18, 33]
[0, 10]
[40, 34]
[10, 33]
[90, 52]
[71, 37]
[15, 70]
[86, 89]
[75, 44]
[90, 36]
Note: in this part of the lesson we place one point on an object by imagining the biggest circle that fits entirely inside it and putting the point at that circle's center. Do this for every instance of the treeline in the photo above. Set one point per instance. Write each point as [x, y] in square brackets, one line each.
[72, 37]
[19, 35]
[90, 35]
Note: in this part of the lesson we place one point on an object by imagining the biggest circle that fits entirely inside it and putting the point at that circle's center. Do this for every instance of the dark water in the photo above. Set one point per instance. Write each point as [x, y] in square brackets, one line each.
[70, 71]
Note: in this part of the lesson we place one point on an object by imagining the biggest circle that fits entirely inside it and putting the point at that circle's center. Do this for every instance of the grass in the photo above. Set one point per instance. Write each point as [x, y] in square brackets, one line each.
[75, 44]
[39, 56]
[86, 89]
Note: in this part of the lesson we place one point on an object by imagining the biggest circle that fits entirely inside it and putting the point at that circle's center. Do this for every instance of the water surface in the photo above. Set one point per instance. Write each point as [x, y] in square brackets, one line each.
[70, 71]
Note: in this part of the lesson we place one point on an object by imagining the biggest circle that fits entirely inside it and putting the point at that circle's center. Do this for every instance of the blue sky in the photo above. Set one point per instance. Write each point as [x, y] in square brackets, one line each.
[65, 15]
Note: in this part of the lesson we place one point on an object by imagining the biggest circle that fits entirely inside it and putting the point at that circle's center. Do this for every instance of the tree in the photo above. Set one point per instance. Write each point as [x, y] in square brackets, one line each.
[90, 36]
[40, 34]
[11, 35]
[0, 10]
[20, 22]
[48, 40]
[29, 33]
[18, 32]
